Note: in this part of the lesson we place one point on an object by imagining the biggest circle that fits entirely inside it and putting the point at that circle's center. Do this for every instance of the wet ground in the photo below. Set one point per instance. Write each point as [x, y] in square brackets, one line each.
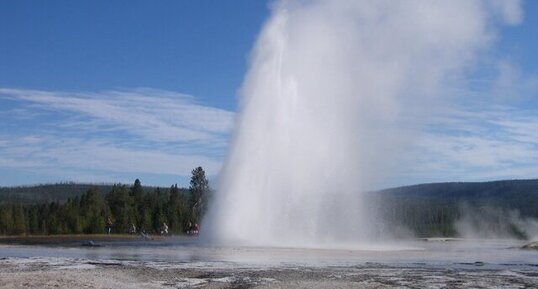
[182, 263]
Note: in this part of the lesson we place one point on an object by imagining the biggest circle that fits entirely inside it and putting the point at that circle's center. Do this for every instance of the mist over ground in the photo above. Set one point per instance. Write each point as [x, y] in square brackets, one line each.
[488, 222]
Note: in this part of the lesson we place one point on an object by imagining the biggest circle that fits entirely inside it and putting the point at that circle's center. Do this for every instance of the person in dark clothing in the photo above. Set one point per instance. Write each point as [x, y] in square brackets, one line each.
[108, 225]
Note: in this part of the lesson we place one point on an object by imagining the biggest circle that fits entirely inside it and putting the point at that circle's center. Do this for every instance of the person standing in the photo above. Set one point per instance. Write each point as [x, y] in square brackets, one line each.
[132, 229]
[164, 229]
[189, 229]
[108, 225]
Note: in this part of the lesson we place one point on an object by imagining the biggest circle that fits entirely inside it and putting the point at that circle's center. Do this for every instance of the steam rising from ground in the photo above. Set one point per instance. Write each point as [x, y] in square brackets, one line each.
[494, 222]
[333, 92]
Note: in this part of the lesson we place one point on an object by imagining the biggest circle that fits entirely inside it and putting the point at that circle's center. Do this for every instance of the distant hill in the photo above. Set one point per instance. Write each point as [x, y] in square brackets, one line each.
[506, 192]
[507, 208]
[51, 192]
[459, 190]
[511, 194]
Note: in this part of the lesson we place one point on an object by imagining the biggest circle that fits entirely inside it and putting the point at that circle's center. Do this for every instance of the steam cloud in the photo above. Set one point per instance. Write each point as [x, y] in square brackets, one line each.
[333, 92]
[493, 222]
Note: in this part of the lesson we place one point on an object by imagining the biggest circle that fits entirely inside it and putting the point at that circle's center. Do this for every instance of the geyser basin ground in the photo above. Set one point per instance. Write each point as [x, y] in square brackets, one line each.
[175, 263]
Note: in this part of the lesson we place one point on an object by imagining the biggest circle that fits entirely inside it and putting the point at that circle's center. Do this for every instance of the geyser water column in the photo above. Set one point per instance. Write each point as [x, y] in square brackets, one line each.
[325, 111]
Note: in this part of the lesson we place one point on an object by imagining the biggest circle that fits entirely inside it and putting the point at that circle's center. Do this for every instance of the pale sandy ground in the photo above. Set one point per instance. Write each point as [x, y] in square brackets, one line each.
[30, 273]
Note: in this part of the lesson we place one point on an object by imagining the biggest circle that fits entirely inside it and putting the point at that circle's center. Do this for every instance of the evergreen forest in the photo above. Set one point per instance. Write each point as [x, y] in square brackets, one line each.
[77, 212]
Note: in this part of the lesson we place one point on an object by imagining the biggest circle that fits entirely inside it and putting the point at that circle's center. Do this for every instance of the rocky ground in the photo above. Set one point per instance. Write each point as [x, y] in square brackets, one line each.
[531, 245]
[69, 273]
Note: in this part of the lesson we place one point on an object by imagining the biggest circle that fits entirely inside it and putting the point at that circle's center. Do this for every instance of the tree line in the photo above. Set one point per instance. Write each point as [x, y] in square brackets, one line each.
[46, 193]
[425, 210]
[428, 210]
[125, 205]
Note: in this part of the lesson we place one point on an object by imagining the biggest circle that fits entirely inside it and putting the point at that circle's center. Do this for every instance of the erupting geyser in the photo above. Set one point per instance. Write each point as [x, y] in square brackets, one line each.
[333, 92]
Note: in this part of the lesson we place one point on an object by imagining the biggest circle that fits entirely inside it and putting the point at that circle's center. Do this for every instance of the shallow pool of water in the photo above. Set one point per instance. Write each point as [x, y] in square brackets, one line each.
[187, 252]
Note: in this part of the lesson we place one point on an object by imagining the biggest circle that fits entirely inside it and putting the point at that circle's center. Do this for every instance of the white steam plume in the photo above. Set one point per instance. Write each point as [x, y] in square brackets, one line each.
[493, 222]
[326, 107]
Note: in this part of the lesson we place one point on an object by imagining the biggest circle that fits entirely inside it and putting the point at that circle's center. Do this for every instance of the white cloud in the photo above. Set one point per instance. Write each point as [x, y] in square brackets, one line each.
[511, 11]
[476, 144]
[90, 135]
[147, 113]
[98, 155]
[512, 84]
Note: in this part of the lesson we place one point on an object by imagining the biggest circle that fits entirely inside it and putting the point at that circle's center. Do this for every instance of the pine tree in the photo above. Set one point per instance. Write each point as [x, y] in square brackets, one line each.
[137, 194]
[199, 188]
[157, 209]
[52, 222]
[121, 207]
[94, 211]
[33, 220]
[176, 205]
[6, 220]
[19, 220]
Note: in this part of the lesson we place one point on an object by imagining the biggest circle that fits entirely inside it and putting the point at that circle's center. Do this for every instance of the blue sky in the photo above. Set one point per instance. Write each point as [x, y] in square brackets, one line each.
[135, 89]
[110, 91]
[194, 47]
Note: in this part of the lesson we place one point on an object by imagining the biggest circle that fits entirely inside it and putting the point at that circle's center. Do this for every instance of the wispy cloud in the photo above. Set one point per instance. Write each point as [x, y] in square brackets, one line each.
[475, 144]
[511, 83]
[139, 131]
[148, 113]
[105, 136]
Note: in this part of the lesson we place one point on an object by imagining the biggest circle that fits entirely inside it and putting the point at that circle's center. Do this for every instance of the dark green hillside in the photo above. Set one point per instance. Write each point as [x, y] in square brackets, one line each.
[509, 194]
[60, 192]
[488, 208]
[46, 193]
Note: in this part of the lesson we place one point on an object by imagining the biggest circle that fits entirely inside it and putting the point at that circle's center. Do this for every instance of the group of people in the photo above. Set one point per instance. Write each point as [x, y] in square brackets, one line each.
[163, 230]
[191, 229]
